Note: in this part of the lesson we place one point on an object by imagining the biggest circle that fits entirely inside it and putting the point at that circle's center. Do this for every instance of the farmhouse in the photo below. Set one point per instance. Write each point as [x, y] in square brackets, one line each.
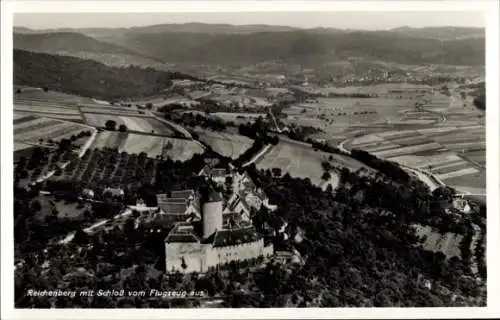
[179, 205]
[462, 205]
[218, 175]
[216, 240]
[88, 193]
[114, 192]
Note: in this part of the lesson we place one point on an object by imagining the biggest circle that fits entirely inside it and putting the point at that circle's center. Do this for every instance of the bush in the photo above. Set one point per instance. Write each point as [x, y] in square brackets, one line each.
[110, 125]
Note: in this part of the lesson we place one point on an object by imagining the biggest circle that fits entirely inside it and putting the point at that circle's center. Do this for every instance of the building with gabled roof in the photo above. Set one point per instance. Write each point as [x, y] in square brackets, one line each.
[180, 205]
[115, 192]
[238, 204]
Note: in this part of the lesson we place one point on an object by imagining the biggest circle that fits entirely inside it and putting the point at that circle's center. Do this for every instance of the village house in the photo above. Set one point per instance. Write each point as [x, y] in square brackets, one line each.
[179, 205]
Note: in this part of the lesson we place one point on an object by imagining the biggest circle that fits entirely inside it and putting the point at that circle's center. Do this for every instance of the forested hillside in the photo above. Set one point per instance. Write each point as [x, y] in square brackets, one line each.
[87, 77]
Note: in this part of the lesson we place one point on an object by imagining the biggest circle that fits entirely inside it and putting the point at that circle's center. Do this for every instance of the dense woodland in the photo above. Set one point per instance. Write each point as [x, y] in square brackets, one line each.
[89, 78]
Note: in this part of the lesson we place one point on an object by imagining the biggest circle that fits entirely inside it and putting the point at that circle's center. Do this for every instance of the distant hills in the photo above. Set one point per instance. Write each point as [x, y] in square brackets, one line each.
[441, 33]
[229, 45]
[68, 42]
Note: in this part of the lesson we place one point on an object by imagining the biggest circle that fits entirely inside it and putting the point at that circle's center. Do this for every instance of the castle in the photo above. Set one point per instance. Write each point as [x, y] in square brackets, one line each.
[220, 237]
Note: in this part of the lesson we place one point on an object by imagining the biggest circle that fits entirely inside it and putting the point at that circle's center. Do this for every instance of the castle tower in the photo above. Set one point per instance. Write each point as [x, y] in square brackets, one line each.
[212, 214]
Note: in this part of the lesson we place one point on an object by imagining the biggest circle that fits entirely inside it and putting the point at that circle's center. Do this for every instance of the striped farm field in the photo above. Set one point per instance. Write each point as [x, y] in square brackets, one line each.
[458, 173]
[408, 150]
[17, 115]
[423, 162]
[110, 139]
[389, 135]
[61, 116]
[141, 124]
[425, 142]
[450, 167]
[436, 130]
[20, 118]
[110, 110]
[36, 94]
[226, 144]
[473, 180]
[406, 121]
[477, 156]
[46, 109]
[467, 145]
[458, 138]
[34, 124]
[409, 141]
[386, 145]
[366, 140]
[45, 128]
[153, 146]
[374, 145]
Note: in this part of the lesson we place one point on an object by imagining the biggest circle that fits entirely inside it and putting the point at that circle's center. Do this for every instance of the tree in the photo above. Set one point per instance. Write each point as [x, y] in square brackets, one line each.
[326, 176]
[45, 89]
[149, 106]
[329, 188]
[169, 145]
[480, 102]
[276, 172]
[122, 128]
[110, 125]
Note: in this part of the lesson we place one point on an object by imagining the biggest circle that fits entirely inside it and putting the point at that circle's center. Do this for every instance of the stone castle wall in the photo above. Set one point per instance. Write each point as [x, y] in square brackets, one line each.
[200, 257]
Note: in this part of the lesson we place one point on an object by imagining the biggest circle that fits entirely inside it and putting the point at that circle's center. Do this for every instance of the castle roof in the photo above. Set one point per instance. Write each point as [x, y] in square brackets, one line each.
[173, 207]
[190, 232]
[177, 203]
[182, 193]
[172, 238]
[228, 237]
[184, 232]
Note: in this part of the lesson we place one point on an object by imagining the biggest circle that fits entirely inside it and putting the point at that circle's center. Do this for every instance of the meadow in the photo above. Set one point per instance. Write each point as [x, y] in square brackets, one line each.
[300, 161]
[230, 145]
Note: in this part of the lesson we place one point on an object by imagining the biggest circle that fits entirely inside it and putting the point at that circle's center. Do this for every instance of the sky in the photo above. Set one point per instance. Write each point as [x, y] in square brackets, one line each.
[343, 20]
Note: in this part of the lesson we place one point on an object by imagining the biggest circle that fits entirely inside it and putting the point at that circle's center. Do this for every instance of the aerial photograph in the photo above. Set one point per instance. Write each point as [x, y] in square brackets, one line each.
[249, 160]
